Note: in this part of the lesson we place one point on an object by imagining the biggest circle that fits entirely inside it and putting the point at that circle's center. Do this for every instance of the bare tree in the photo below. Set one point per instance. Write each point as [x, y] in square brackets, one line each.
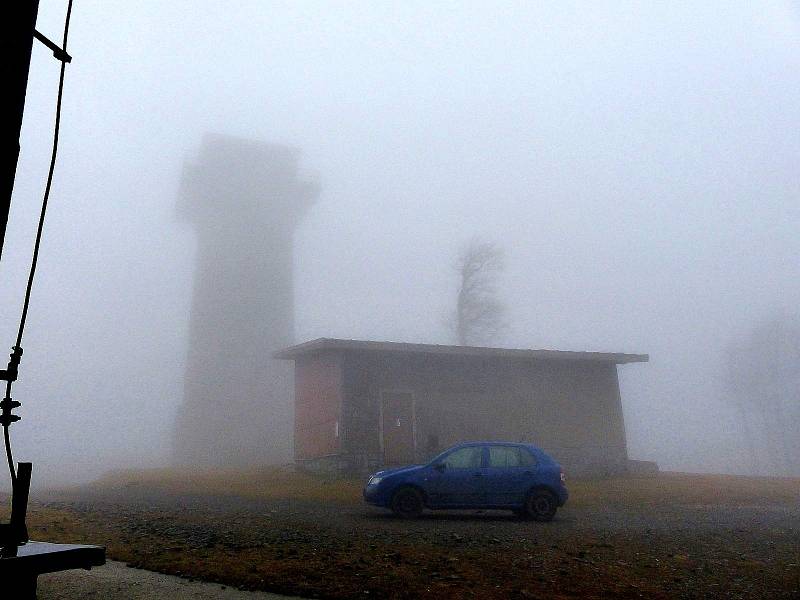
[479, 315]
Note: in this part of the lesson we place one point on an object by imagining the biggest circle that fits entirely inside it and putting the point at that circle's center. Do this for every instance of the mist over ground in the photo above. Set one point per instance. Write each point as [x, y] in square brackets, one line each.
[637, 163]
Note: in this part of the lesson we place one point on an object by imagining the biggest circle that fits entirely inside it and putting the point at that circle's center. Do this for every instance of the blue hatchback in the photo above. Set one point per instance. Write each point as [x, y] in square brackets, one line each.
[486, 475]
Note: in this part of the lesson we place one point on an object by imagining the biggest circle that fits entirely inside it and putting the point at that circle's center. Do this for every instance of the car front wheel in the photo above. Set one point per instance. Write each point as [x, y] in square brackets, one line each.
[541, 505]
[407, 503]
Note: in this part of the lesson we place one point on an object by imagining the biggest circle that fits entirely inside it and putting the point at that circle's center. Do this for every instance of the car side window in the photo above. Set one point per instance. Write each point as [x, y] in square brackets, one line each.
[526, 458]
[507, 457]
[503, 457]
[464, 458]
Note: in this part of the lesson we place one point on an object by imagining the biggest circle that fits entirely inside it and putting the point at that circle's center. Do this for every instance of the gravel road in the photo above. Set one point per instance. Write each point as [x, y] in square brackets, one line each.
[343, 550]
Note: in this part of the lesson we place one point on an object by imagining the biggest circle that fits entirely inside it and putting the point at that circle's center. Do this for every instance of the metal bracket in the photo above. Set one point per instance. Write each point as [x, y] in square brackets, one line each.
[10, 373]
[7, 405]
[58, 52]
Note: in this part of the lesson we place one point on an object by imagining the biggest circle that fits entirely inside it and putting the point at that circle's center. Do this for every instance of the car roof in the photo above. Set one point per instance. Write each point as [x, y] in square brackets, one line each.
[497, 443]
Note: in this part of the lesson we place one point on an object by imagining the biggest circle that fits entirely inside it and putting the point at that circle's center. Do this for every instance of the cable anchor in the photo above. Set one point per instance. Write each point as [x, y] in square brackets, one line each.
[7, 405]
[10, 373]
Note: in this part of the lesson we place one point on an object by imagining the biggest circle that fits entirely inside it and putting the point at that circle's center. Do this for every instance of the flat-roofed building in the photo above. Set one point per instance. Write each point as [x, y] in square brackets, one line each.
[364, 404]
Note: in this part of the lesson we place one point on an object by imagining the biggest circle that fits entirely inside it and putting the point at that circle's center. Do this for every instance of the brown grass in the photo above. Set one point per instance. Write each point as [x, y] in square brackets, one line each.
[684, 489]
[282, 483]
[255, 483]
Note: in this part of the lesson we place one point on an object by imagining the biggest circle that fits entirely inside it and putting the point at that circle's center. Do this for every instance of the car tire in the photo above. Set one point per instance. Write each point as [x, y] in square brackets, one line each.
[541, 505]
[407, 503]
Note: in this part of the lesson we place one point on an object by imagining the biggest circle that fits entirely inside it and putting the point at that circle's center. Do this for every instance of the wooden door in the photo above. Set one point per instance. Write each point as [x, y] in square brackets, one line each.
[397, 428]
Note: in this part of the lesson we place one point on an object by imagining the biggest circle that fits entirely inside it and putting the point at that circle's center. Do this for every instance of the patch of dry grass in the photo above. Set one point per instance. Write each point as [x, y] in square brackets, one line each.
[254, 483]
[282, 483]
[684, 489]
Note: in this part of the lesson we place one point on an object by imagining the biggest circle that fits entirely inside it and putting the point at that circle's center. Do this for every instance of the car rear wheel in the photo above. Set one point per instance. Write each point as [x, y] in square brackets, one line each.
[407, 503]
[541, 505]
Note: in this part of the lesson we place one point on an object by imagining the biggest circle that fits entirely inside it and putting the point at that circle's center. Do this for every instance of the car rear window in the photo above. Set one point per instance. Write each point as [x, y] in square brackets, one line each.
[506, 457]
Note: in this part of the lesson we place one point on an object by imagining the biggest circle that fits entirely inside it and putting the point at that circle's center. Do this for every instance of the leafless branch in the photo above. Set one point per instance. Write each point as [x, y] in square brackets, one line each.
[479, 314]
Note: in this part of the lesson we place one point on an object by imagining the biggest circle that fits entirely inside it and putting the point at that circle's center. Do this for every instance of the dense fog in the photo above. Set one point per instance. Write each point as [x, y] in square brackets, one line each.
[637, 164]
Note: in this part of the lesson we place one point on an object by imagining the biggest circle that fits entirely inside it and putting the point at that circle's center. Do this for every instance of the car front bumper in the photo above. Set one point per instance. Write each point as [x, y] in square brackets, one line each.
[373, 494]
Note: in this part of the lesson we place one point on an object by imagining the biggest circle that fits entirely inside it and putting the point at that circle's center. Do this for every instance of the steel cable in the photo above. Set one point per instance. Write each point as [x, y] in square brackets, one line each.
[39, 230]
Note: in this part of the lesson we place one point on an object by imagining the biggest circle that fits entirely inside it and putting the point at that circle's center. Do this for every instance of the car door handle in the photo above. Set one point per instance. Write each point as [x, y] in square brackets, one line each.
[477, 474]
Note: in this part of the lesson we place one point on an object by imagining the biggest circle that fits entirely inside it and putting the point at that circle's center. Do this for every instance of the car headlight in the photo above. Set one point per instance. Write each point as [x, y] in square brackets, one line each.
[375, 480]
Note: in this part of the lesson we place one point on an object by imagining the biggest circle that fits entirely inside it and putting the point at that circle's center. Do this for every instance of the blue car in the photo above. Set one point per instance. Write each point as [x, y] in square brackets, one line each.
[485, 475]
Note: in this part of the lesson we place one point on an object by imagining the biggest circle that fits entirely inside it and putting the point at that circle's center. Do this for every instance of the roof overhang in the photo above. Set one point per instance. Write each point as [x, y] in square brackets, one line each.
[323, 344]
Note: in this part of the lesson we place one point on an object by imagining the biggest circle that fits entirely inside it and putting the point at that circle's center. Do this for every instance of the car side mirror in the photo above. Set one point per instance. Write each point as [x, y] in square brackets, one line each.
[440, 467]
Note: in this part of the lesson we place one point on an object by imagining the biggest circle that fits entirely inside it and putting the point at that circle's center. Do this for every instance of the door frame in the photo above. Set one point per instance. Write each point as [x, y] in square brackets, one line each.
[385, 391]
[441, 497]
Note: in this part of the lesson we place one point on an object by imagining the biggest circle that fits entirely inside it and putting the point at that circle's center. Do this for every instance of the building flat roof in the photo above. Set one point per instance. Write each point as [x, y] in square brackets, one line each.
[321, 344]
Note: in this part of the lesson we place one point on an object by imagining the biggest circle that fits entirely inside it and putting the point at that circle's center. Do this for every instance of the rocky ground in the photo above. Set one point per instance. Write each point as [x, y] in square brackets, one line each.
[673, 537]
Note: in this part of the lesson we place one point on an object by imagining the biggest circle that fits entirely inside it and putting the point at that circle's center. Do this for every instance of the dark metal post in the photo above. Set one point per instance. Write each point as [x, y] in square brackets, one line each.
[21, 560]
[16, 44]
[19, 502]
[16, 41]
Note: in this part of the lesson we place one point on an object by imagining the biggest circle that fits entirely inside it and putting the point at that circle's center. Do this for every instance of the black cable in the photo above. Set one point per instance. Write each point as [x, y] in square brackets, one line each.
[37, 243]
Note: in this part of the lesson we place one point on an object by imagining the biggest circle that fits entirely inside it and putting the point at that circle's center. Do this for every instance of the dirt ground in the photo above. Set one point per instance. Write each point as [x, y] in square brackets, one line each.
[663, 537]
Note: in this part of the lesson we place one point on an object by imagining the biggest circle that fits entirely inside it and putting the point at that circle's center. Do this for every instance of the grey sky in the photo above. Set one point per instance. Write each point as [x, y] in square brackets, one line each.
[638, 161]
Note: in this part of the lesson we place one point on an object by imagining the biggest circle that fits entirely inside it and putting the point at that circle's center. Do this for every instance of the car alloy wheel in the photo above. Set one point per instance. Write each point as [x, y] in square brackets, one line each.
[407, 503]
[541, 505]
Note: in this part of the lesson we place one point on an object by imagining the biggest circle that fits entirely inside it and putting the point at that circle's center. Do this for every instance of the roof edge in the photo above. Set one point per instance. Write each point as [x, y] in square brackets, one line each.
[322, 344]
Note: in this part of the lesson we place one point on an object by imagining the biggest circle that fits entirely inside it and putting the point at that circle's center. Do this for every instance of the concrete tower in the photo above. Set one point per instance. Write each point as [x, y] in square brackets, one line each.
[244, 199]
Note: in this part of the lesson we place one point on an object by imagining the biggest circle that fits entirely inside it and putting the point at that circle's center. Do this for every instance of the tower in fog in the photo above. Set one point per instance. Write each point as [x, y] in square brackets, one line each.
[244, 200]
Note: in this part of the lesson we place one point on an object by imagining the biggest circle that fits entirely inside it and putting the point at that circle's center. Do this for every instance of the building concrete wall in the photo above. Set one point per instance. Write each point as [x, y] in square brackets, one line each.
[571, 409]
[244, 200]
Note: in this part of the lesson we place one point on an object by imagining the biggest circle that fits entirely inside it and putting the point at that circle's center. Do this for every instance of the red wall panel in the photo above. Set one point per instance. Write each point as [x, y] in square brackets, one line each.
[318, 402]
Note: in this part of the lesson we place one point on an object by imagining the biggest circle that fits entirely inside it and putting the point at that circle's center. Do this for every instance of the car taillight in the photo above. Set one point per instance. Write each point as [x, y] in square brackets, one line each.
[563, 477]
